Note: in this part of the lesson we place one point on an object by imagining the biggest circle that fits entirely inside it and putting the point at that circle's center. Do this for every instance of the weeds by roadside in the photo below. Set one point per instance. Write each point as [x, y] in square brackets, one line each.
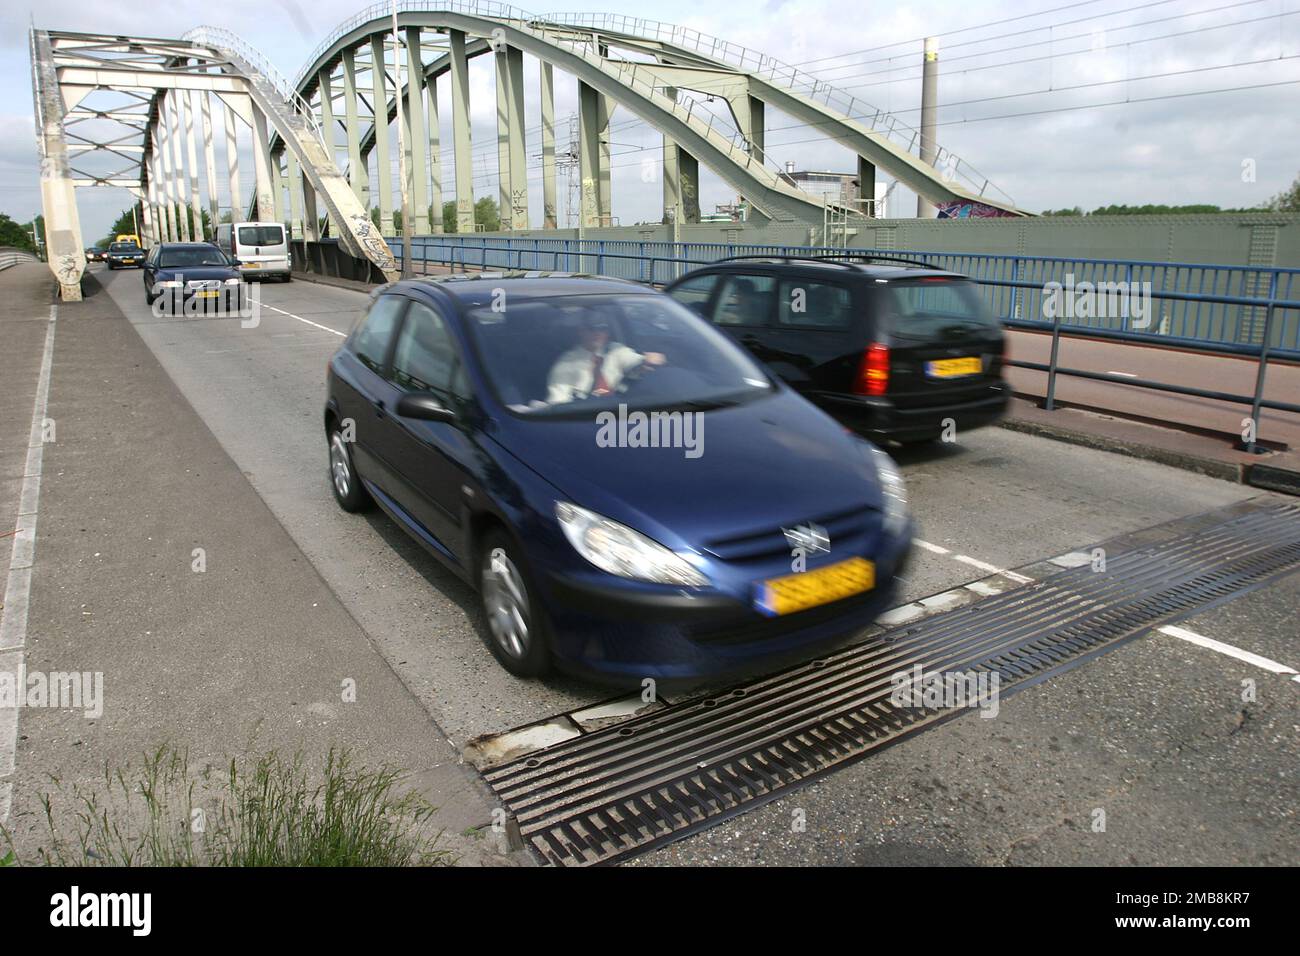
[268, 811]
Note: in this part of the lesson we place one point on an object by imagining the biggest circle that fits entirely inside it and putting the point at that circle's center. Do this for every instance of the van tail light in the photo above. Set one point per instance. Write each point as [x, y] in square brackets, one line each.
[873, 372]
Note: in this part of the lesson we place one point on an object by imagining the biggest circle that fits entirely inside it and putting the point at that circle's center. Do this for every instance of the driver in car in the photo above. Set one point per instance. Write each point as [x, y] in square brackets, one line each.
[595, 366]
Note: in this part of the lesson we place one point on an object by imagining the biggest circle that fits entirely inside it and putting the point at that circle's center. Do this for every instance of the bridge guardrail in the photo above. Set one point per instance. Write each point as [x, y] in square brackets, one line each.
[658, 262]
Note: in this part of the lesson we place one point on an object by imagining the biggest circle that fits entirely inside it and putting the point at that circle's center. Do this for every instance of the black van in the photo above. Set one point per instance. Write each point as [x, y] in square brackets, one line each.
[893, 348]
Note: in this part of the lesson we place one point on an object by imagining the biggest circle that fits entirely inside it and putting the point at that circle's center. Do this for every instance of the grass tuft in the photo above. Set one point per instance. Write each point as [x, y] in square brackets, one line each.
[272, 811]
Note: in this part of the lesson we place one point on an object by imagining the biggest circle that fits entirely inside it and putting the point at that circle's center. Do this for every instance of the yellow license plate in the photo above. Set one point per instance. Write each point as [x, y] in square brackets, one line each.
[954, 367]
[797, 592]
[252, 265]
[208, 295]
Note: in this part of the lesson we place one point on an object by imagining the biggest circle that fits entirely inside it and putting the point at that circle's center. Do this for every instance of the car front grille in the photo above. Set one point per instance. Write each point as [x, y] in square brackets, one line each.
[769, 542]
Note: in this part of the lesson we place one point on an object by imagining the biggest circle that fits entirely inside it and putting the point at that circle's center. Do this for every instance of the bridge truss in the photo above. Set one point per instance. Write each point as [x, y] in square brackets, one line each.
[315, 139]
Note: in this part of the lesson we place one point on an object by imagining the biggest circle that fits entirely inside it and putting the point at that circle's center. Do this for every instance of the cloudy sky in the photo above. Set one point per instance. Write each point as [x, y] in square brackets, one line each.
[1058, 103]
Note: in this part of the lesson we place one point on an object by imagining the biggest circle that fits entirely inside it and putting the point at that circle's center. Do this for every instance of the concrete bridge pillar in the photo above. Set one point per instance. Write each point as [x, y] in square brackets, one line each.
[356, 169]
[378, 82]
[325, 84]
[185, 101]
[266, 204]
[460, 133]
[232, 165]
[417, 142]
[209, 160]
[512, 146]
[593, 156]
[177, 173]
[431, 121]
[549, 216]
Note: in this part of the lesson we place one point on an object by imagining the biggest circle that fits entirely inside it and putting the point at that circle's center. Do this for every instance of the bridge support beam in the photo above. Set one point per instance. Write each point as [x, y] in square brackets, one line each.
[867, 186]
[416, 143]
[167, 185]
[278, 186]
[266, 204]
[460, 132]
[593, 156]
[432, 121]
[232, 164]
[379, 84]
[681, 184]
[186, 104]
[325, 86]
[146, 215]
[209, 160]
[549, 217]
[295, 196]
[356, 170]
[174, 136]
[512, 146]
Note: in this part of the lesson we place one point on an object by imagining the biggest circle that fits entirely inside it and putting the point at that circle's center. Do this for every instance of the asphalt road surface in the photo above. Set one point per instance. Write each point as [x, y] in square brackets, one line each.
[1155, 733]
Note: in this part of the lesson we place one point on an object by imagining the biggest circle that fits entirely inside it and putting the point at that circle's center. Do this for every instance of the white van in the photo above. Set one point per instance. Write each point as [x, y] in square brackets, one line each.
[260, 247]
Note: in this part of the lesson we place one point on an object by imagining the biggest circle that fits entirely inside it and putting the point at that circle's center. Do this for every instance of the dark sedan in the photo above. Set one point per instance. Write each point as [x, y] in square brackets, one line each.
[185, 273]
[631, 494]
[125, 255]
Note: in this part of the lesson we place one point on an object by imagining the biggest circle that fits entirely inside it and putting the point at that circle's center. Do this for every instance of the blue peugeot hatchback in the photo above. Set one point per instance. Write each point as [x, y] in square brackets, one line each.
[631, 494]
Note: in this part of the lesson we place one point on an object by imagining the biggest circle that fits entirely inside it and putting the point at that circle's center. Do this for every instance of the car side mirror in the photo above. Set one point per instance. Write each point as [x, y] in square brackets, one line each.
[424, 406]
[236, 262]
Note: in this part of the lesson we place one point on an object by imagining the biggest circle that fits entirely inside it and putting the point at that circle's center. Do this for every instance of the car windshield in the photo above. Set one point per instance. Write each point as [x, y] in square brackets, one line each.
[577, 355]
[936, 308]
[192, 256]
[124, 247]
[261, 235]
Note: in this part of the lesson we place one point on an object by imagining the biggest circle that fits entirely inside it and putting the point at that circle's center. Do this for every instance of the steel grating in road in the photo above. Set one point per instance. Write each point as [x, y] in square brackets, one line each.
[626, 789]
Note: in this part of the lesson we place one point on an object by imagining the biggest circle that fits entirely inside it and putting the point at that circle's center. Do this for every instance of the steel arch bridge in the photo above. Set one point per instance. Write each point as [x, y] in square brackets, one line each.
[346, 96]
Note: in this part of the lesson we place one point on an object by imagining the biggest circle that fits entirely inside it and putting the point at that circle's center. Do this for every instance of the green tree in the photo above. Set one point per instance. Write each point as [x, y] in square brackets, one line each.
[15, 234]
[1288, 200]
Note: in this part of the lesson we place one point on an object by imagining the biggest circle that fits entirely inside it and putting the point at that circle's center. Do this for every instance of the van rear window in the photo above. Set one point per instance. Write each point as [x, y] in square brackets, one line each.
[936, 308]
[261, 235]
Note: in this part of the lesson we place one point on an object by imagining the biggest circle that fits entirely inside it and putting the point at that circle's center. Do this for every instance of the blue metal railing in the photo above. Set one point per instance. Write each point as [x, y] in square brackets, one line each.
[1199, 303]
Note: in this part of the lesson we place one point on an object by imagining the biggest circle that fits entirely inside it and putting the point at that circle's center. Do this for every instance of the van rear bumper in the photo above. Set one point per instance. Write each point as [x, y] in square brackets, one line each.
[271, 267]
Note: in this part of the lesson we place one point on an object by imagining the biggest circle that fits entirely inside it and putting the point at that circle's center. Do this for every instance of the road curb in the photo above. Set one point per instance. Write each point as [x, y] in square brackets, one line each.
[1261, 475]
[1226, 471]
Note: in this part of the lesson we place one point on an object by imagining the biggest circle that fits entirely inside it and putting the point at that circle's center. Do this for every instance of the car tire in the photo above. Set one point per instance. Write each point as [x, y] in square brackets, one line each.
[344, 480]
[514, 626]
[287, 277]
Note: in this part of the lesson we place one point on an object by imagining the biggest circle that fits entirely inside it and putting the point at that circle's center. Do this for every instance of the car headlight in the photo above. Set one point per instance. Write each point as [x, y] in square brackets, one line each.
[892, 490]
[619, 550]
[232, 282]
[171, 284]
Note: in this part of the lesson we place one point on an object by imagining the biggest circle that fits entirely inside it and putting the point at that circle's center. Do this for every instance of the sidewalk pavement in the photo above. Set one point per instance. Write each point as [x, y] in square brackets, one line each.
[252, 654]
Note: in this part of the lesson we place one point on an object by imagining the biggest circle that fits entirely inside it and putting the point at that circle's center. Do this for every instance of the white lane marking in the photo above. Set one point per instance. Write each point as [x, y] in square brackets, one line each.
[973, 562]
[323, 328]
[1201, 640]
[992, 568]
[13, 623]
[930, 547]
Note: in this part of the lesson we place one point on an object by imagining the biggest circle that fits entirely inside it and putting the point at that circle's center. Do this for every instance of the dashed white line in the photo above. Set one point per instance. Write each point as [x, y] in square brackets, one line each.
[1200, 640]
[323, 328]
[13, 623]
[973, 562]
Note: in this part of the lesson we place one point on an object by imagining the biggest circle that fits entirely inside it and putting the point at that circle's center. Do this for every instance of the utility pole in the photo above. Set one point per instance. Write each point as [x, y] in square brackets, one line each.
[929, 115]
[407, 222]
